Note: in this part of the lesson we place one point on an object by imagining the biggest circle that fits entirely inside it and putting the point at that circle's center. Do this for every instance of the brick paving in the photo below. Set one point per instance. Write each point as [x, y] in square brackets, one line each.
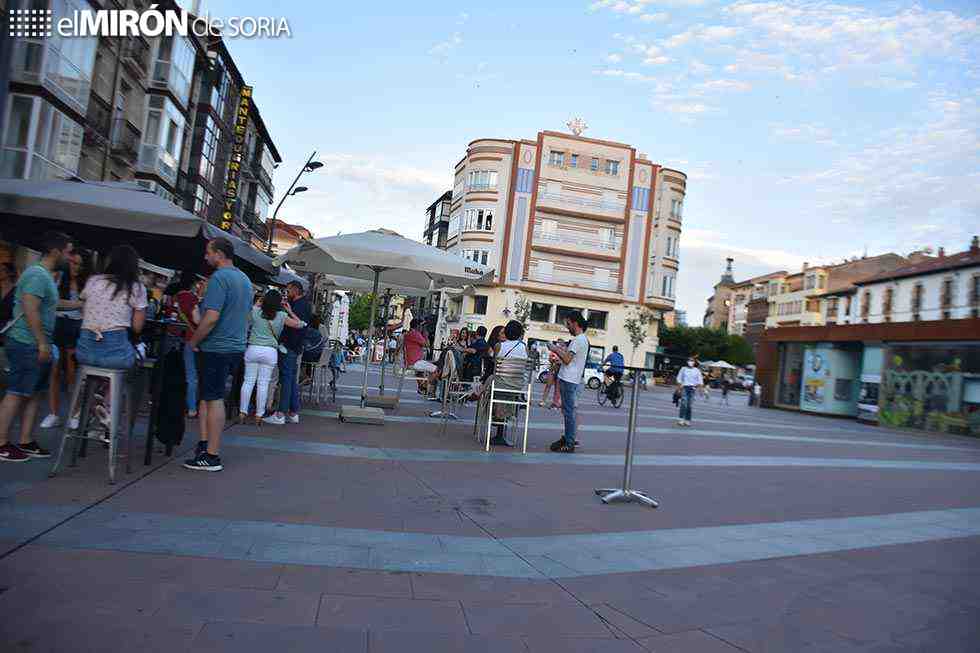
[377, 550]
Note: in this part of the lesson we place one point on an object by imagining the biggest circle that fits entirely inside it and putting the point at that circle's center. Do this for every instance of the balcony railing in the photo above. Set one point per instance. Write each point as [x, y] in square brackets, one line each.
[136, 55]
[582, 203]
[156, 160]
[565, 239]
[581, 281]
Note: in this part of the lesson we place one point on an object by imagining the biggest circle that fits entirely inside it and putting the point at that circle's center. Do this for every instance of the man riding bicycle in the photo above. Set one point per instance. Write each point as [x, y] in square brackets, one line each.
[614, 365]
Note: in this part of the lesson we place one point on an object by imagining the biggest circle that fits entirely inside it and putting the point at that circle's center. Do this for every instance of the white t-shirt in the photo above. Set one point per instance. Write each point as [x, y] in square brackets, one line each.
[513, 349]
[572, 372]
[690, 376]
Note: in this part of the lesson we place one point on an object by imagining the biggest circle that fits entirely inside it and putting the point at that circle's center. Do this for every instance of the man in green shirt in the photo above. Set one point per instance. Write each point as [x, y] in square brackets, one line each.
[29, 349]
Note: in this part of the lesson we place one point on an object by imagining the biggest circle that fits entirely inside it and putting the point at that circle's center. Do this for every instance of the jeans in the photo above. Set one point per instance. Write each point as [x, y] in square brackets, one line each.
[568, 394]
[190, 375]
[288, 387]
[259, 363]
[113, 351]
[686, 400]
[26, 377]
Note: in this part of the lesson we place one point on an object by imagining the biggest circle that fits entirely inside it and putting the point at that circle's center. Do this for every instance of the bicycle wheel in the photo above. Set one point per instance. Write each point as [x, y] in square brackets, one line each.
[602, 394]
[617, 399]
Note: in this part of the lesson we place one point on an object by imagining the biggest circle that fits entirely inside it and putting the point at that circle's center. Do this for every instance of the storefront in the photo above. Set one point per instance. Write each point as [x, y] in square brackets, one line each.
[923, 375]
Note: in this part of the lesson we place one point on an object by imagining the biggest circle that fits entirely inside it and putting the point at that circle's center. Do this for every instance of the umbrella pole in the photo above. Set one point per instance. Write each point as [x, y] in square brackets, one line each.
[370, 344]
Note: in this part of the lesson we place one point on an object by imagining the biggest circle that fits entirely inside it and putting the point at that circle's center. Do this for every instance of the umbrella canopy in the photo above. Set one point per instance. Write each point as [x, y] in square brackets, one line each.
[404, 262]
[102, 215]
[722, 365]
[363, 285]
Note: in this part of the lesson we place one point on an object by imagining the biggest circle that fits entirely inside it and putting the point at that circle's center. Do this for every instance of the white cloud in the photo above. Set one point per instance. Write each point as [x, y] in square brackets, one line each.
[688, 108]
[733, 85]
[773, 258]
[657, 61]
[659, 17]
[697, 67]
[379, 174]
[624, 74]
[890, 83]
[445, 48]
[614, 58]
[807, 132]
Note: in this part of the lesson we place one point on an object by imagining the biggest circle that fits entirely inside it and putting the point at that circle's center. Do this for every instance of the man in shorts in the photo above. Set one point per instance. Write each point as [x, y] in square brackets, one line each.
[415, 344]
[29, 349]
[220, 342]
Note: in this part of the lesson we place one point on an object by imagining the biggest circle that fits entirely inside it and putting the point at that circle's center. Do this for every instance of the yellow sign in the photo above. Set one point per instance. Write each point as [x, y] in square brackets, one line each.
[237, 158]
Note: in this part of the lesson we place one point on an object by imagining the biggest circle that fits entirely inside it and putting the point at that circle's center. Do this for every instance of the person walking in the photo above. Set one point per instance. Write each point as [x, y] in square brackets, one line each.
[573, 359]
[267, 320]
[292, 340]
[29, 350]
[689, 379]
[725, 387]
[220, 342]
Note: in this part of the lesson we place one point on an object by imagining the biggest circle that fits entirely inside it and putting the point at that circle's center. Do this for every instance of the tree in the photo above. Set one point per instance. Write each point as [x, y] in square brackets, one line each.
[637, 326]
[739, 351]
[707, 344]
[359, 316]
[522, 312]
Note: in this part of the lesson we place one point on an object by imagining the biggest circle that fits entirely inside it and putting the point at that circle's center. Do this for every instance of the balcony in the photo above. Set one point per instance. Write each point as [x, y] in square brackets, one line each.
[266, 180]
[125, 142]
[577, 280]
[565, 239]
[136, 56]
[97, 122]
[613, 208]
[156, 160]
[59, 75]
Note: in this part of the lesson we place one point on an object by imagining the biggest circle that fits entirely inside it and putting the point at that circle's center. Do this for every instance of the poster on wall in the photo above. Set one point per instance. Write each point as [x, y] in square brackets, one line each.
[816, 379]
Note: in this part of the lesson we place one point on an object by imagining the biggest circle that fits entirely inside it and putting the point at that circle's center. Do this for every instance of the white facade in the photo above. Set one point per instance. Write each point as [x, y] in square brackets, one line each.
[940, 295]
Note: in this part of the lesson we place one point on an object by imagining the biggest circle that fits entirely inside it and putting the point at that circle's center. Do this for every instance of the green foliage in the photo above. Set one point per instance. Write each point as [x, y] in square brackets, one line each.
[637, 326]
[360, 312]
[708, 344]
[522, 312]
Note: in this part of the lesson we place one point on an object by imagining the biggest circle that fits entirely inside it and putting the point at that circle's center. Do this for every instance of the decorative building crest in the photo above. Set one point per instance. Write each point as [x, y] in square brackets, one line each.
[577, 126]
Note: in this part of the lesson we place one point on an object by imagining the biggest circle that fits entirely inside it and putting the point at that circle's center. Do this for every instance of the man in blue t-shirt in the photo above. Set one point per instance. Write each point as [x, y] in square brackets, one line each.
[615, 365]
[29, 349]
[220, 342]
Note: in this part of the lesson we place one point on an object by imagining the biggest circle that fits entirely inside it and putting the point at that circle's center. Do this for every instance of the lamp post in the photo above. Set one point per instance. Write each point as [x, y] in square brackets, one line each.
[309, 166]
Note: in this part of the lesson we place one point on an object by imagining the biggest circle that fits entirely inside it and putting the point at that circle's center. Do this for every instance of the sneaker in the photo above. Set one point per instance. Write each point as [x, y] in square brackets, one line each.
[680, 422]
[204, 462]
[34, 450]
[50, 421]
[557, 444]
[564, 448]
[276, 419]
[73, 424]
[11, 454]
[293, 419]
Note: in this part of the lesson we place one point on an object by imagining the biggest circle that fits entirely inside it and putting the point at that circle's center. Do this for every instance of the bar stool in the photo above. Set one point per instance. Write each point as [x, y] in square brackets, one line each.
[83, 394]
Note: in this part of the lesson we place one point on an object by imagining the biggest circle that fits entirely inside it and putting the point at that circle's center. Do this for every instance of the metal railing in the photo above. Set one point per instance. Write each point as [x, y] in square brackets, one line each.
[577, 241]
[581, 202]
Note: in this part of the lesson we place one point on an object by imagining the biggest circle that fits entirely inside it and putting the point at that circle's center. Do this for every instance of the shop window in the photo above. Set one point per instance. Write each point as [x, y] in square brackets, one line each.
[540, 312]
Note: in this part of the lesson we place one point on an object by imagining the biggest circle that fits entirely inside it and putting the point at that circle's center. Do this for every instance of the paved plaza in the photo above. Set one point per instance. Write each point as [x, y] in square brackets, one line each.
[776, 532]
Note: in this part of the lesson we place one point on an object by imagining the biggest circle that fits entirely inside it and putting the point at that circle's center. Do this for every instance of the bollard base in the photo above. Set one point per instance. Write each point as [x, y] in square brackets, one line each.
[613, 495]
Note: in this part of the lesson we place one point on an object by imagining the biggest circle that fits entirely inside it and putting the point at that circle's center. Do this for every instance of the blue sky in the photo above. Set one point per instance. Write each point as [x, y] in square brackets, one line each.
[810, 131]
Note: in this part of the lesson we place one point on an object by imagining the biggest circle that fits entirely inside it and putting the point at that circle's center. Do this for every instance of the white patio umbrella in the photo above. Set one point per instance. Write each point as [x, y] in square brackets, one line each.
[383, 256]
[722, 365]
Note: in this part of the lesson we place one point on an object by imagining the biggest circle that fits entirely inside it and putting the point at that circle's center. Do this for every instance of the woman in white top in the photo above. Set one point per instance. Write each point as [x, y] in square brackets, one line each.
[267, 320]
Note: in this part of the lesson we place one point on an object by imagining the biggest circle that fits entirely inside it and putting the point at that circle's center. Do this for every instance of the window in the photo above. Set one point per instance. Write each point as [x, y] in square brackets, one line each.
[676, 208]
[557, 159]
[916, 301]
[453, 225]
[41, 142]
[832, 307]
[564, 311]
[847, 305]
[476, 255]
[667, 286]
[483, 180]
[540, 312]
[594, 166]
[598, 319]
[946, 298]
[811, 282]
[865, 305]
[600, 277]
[672, 242]
[478, 220]
[574, 160]
[480, 305]
[612, 167]
[202, 199]
[545, 269]
[886, 303]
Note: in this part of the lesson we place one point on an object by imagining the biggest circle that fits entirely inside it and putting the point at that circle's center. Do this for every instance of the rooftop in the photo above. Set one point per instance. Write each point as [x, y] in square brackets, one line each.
[931, 265]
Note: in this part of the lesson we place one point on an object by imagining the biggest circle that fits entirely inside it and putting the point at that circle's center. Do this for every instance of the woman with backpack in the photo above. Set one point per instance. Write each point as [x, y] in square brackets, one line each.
[267, 321]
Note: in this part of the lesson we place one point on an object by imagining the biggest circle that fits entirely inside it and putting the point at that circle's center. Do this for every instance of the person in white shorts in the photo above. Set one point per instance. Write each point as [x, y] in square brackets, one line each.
[415, 344]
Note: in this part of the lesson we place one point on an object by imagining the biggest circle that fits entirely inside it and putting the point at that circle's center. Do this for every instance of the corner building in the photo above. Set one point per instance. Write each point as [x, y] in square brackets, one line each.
[568, 223]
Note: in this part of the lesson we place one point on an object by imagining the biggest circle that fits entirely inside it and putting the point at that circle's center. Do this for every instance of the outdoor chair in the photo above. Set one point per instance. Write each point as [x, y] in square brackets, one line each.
[508, 390]
[453, 390]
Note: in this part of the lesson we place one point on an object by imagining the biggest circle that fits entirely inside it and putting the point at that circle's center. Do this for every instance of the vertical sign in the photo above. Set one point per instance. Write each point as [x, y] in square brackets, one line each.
[237, 157]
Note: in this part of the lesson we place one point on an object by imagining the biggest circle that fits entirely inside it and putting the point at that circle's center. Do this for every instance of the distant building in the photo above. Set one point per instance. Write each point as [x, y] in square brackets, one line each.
[284, 237]
[716, 314]
[680, 318]
[436, 231]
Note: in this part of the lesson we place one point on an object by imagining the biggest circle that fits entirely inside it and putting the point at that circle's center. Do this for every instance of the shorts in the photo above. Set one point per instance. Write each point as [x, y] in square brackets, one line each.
[27, 377]
[66, 332]
[423, 365]
[213, 370]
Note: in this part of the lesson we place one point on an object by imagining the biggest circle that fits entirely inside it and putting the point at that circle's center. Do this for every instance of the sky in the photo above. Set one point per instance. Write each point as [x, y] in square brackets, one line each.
[810, 131]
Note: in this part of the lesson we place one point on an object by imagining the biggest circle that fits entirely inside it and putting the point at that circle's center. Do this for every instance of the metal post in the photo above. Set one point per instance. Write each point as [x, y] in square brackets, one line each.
[272, 223]
[625, 494]
[370, 342]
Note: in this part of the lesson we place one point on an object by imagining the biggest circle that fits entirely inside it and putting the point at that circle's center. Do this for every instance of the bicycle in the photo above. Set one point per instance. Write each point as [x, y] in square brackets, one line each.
[611, 391]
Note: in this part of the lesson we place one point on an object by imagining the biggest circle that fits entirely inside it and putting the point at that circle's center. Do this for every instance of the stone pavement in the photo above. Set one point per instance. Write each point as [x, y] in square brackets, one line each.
[776, 532]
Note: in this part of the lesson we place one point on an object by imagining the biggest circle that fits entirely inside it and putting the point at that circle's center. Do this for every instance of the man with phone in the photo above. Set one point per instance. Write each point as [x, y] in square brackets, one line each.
[573, 358]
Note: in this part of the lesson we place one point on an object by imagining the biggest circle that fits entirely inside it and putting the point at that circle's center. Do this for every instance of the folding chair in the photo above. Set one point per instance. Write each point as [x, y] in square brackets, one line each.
[510, 385]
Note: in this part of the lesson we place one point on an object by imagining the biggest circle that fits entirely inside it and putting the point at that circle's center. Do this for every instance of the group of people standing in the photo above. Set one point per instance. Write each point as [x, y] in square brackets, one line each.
[60, 311]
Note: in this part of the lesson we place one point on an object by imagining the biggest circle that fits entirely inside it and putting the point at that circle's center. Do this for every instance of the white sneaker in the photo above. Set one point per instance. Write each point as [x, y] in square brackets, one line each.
[278, 420]
[680, 422]
[50, 421]
[293, 419]
[73, 424]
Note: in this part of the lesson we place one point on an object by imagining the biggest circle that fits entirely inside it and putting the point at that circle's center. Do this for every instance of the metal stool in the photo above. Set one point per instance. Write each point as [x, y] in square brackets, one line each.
[82, 394]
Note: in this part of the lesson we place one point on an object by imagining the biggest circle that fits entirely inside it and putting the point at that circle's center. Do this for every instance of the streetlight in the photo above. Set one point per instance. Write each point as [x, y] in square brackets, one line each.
[309, 166]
